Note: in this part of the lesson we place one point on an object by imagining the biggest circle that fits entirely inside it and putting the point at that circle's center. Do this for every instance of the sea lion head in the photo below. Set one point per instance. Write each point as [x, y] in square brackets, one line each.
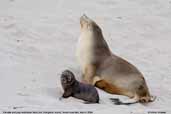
[67, 78]
[88, 24]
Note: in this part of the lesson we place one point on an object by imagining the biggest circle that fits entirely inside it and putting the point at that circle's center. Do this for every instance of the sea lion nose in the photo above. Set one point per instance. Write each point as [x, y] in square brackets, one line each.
[84, 18]
[64, 81]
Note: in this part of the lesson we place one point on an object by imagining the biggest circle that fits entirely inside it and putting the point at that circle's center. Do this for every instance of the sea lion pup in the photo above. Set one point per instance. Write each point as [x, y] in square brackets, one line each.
[78, 90]
[105, 70]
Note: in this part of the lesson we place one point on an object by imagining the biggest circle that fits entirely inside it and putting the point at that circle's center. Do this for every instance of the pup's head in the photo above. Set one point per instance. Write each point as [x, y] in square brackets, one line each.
[88, 24]
[67, 77]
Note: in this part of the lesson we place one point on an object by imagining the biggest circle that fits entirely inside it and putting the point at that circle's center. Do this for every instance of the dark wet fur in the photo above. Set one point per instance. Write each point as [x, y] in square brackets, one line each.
[77, 89]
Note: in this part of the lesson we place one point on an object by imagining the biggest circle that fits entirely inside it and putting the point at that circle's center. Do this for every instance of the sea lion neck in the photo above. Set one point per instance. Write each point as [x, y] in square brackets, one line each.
[74, 83]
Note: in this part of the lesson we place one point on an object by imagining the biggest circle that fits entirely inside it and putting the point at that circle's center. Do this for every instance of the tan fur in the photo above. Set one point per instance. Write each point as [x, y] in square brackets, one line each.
[105, 70]
[102, 84]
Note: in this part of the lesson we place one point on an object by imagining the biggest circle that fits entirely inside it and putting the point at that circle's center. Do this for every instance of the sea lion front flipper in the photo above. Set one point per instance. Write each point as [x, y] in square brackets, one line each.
[67, 94]
[96, 79]
[89, 73]
[87, 102]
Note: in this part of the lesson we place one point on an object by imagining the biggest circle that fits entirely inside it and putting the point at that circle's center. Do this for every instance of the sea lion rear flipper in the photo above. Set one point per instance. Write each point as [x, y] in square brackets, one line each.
[133, 100]
[117, 101]
[152, 98]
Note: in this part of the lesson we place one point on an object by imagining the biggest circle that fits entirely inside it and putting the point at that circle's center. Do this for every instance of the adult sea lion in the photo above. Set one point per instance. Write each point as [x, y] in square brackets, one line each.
[100, 67]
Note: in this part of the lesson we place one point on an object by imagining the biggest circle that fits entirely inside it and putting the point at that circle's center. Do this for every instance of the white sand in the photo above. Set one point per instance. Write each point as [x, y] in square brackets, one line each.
[38, 40]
